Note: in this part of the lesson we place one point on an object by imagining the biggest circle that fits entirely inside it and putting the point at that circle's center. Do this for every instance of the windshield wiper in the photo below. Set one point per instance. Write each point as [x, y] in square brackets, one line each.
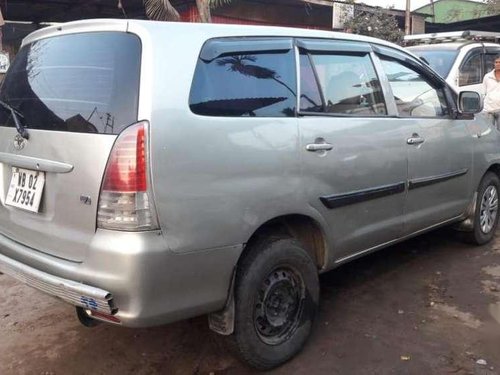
[15, 115]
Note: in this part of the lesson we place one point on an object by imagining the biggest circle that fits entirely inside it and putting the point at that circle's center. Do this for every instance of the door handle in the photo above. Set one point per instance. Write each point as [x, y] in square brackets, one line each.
[319, 147]
[415, 139]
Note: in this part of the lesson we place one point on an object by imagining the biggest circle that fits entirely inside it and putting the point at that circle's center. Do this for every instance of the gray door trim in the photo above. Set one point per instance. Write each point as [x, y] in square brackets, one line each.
[426, 181]
[214, 48]
[340, 200]
[333, 45]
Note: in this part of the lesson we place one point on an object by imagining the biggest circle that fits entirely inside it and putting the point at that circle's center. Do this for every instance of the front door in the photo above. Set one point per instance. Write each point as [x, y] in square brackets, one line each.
[471, 73]
[439, 147]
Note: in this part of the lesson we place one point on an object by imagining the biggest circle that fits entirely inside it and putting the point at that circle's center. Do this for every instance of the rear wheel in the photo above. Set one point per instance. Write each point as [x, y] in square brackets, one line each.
[486, 214]
[276, 295]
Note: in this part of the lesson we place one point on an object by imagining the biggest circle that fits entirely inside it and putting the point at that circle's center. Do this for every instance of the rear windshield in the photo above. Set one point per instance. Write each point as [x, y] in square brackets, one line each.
[86, 83]
[439, 60]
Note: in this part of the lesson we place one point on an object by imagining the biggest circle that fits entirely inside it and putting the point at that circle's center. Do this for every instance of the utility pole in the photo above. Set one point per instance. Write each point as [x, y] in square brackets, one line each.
[407, 18]
[433, 12]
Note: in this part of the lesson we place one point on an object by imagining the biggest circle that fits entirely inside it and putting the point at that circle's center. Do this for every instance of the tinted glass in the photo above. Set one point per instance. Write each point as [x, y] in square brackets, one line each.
[414, 96]
[80, 83]
[471, 71]
[489, 61]
[348, 83]
[236, 85]
[440, 61]
[310, 98]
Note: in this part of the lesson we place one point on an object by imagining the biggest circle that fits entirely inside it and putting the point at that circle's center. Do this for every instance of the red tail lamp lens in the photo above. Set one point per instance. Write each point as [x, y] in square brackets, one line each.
[126, 169]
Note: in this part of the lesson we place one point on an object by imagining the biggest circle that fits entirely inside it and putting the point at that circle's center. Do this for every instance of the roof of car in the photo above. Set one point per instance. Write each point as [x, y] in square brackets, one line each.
[208, 30]
[450, 46]
[440, 46]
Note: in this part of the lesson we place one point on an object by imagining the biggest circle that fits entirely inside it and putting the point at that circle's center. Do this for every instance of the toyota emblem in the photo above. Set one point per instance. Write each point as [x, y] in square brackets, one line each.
[19, 142]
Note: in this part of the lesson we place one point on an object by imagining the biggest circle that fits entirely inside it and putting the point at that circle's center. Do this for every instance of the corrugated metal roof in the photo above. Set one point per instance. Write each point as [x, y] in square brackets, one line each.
[447, 11]
[70, 10]
[67, 10]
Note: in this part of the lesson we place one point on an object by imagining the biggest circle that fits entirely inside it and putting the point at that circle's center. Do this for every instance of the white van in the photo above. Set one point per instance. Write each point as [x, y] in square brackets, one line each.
[462, 58]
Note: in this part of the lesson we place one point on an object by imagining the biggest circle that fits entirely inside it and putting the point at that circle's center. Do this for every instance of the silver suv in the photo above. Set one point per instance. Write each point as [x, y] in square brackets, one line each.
[152, 172]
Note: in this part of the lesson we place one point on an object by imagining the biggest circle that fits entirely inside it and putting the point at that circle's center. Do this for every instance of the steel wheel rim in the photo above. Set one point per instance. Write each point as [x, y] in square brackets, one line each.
[279, 305]
[489, 209]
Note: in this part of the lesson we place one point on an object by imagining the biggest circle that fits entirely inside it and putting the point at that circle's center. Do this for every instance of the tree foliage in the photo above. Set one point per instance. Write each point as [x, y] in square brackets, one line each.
[493, 7]
[377, 24]
[163, 10]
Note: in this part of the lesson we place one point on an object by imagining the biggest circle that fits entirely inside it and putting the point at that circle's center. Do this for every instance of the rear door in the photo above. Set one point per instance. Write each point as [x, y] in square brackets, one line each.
[75, 92]
[353, 151]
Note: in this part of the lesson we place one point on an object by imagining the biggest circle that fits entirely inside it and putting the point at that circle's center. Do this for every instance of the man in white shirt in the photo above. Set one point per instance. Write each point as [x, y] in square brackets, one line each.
[491, 83]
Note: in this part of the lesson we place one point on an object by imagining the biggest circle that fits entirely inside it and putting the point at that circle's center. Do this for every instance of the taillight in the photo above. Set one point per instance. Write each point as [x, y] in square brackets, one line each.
[125, 199]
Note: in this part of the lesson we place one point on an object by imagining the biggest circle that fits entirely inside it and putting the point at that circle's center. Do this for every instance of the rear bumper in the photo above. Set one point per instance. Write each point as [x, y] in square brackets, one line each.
[70, 291]
[132, 276]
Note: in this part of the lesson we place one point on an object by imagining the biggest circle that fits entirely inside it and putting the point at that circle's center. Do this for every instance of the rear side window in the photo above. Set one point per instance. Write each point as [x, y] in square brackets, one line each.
[310, 96]
[249, 84]
[85, 82]
[340, 84]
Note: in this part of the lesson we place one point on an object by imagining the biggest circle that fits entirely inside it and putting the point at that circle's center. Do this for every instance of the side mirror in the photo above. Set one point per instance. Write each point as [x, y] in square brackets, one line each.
[469, 102]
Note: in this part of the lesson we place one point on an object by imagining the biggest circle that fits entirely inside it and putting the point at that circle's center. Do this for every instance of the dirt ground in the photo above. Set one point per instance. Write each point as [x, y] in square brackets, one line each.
[427, 306]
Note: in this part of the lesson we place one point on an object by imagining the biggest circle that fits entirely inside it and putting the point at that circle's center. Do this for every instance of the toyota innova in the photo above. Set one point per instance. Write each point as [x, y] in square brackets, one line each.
[152, 172]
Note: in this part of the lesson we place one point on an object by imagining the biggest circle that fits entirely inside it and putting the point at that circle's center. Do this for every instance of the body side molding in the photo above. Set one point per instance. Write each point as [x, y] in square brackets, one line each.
[340, 200]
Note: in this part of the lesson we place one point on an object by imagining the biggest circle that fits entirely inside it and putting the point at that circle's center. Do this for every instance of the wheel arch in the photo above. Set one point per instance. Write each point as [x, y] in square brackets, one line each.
[308, 231]
[495, 168]
[467, 224]
[304, 228]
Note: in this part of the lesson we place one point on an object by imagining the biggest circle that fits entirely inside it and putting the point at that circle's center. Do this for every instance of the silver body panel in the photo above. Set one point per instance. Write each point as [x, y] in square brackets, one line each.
[373, 147]
[446, 150]
[217, 180]
[66, 227]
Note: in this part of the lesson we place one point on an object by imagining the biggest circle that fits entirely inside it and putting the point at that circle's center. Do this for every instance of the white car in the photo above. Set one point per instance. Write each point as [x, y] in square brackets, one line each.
[462, 58]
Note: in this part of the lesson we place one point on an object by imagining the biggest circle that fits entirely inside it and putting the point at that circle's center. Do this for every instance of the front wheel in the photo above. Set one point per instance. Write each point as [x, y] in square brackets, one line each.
[276, 295]
[486, 214]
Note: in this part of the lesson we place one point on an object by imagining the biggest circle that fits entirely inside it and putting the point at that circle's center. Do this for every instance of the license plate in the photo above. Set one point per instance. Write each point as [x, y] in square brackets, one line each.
[25, 189]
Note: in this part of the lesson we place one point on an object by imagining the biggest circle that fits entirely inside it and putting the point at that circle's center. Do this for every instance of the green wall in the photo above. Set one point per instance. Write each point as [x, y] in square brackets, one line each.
[454, 10]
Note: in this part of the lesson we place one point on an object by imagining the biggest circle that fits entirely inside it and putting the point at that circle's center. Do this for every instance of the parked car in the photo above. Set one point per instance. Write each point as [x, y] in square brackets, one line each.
[156, 171]
[462, 58]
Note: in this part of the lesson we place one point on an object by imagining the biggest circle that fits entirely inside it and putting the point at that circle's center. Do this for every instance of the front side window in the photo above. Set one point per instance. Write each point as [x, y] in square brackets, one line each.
[470, 71]
[344, 83]
[414, 95]
[245, 85]
[489, 61]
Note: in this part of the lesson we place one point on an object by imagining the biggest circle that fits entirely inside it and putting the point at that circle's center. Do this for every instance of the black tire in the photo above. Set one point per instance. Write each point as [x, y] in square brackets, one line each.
[276, 301]
[481, 233]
